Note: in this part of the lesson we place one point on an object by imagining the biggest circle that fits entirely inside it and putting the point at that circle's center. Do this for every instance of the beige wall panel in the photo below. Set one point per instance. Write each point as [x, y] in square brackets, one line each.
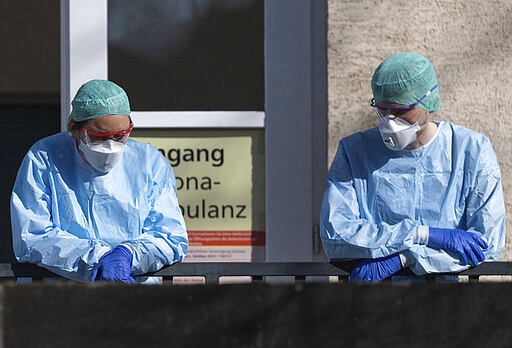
[470, 45]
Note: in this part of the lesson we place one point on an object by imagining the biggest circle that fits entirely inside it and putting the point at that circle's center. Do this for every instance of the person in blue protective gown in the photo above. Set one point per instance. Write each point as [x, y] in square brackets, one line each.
[91, 204]
[411, 192]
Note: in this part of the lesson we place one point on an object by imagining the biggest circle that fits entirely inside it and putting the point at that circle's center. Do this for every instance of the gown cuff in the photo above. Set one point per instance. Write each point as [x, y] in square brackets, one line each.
[420, 235]
[406, 260]
[103, 250]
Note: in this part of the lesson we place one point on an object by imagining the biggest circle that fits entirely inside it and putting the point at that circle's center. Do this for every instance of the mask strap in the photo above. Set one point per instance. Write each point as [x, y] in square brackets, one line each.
[419, 118]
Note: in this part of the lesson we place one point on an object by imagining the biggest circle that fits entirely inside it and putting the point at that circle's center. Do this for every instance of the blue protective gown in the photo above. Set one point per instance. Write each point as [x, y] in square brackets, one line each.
[65, 215]
[376, 197]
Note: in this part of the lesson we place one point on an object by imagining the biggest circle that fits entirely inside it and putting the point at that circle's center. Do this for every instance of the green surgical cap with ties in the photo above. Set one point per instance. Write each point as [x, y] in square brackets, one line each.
[404, 78]
[98, 98]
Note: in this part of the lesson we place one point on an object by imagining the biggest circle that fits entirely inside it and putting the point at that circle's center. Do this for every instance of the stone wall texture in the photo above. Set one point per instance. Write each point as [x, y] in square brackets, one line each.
[468, 41]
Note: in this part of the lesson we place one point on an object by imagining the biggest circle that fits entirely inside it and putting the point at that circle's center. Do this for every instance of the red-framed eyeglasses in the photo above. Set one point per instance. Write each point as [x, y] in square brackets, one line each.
[121, 136]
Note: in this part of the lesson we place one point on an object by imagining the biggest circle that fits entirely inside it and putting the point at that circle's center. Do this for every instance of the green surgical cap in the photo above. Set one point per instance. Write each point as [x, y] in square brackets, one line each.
[98, 98]
[404, 78]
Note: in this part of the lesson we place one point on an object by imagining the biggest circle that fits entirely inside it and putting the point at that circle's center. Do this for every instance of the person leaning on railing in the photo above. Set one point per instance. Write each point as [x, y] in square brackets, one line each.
[412, 192]
[91, 204]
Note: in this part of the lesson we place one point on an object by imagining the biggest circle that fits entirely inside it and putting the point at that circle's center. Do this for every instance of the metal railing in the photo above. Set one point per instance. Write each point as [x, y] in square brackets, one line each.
[212, 272]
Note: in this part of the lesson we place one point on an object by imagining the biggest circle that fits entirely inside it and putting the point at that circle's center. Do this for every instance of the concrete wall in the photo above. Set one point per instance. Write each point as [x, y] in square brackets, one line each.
[469, 43]
[257, 315]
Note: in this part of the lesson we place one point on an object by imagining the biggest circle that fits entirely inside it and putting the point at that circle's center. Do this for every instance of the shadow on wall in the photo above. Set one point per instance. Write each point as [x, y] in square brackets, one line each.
[23, 125]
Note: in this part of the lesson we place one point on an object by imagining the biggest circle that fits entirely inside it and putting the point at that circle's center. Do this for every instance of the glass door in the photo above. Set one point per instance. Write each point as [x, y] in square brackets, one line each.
[226, 90]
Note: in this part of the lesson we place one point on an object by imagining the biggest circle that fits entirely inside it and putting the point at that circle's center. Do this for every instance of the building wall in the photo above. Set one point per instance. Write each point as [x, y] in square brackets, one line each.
[256, 316]
[469, 43]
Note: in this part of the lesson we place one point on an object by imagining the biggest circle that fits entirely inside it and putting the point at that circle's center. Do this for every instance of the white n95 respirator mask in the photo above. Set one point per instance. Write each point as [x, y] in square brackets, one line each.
[397, 133]
[102, 156]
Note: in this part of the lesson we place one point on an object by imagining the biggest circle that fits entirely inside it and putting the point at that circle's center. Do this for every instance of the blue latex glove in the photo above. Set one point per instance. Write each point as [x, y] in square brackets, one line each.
[115, 266]
[375, 270]
[467, 245]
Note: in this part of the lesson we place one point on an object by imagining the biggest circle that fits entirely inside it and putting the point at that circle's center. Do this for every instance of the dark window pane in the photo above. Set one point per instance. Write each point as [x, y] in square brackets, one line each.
[188, 54]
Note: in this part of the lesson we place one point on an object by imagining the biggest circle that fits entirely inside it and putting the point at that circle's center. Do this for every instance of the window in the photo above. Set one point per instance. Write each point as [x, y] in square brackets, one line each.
[188, 55]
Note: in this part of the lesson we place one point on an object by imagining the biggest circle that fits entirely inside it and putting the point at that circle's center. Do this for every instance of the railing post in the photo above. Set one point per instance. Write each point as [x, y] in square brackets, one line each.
[211, 278]
[300, 279]
[257, 279]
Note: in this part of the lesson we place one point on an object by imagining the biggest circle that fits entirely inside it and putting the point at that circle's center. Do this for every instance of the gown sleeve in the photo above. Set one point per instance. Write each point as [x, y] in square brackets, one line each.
[164, 238]
[348, 230]
[36, 239]
[484, 215]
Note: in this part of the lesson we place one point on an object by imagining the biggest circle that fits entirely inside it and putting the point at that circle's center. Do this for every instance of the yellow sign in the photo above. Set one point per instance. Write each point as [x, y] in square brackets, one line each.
[220, 180]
